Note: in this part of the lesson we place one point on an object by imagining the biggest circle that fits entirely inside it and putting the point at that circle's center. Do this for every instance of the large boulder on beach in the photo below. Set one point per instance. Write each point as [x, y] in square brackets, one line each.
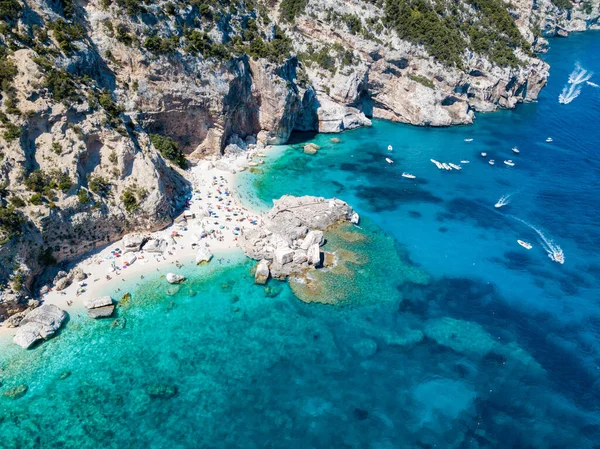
[40, 323]
[133, 242]
[156, 245]
[173, 278]
[203, 255]
[102, 307]
[262, 272]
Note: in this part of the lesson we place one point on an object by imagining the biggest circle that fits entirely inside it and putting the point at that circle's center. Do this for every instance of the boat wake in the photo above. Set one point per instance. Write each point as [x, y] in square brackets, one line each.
[573, 88]
[554, 251]
[569, 93]
[579, 75]
[503, 201]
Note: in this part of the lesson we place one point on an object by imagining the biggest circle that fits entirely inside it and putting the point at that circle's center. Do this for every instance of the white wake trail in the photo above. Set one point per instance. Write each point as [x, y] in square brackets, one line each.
[579, 75]
[589, 83]
[554, 251]
[569, 93]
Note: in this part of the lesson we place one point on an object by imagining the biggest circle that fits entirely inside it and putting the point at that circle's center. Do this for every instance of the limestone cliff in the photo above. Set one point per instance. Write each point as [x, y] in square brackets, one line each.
[105, 102]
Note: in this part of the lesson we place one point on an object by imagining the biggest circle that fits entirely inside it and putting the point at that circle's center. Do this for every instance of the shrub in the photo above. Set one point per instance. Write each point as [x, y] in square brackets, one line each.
[423, 80]
[66, 33]
[11, 221]
[56, 148]
[11, 132]
[129, 201]
[17, 281]
[98, 184]
[10, 10]
[160, 45]
[290, 9]
[36, 199]
[36, 181]
[83, 196]
[123, 35]
[563, 4]
[169, 149]
[46, 257]
[8, 70]
[61, 86]
[17, 201]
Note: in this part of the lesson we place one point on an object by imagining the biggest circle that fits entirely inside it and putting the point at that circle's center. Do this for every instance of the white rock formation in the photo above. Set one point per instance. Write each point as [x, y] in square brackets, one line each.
[262, 272]
[40, 323]
[203, 255]
[133, 242]
[173, 278]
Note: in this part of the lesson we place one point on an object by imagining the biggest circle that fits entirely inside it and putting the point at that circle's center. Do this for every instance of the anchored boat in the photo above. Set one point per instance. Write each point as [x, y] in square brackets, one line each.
[524, 244]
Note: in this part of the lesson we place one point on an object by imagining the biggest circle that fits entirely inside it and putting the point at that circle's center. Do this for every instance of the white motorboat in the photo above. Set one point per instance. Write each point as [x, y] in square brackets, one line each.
[510, 163]
[557, 256]
[515, 150]
[491, 162]
[437, 164]
[455, 167]
[446, 166]
[408, 175]
[390, 148]
[483, 154]
[464, 161]
[549, 139]
[388, 160]
[468, 140]
[524, 244]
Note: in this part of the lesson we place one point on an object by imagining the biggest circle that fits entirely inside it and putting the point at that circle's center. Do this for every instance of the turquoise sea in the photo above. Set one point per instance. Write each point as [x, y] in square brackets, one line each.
[445, 333]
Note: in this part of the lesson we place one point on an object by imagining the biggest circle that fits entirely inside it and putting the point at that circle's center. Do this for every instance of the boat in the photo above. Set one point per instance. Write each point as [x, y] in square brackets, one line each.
[446, 166]
[524, 244]
[515, 150]
[483, 154]
[510, 163]
[491, 162]
[388, 160]
[468, 140]
[464, 161]
[437, 164]
[408, 175]
[390, 148]
[549, 139]
[557, 256]
[455, 167]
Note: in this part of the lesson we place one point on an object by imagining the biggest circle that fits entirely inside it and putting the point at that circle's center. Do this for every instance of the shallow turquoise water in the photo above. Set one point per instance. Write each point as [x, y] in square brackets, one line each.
[465, 339]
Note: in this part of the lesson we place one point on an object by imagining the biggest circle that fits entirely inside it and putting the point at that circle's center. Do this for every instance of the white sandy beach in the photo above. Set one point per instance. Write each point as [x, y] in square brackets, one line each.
[213, 194]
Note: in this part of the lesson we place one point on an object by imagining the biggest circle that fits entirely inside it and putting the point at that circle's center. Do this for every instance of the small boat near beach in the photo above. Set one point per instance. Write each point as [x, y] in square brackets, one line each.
[468, 140]
[524, 244]
[388, 160]
[510, 163]
[549, 139]
[491, 162]
[408, 175]
[455, 167]
[483, 154]
[464, 161]
[390, 148]
[515, 150]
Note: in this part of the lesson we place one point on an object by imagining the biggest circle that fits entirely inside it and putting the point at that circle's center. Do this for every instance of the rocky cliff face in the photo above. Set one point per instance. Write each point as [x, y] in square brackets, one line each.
[105, 102]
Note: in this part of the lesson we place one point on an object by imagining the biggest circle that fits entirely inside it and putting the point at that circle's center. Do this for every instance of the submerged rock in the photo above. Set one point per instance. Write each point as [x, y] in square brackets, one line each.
[40, 323]
[173, 278]
[16, 392]
[311, 148]
[162, 391]
[335, 140]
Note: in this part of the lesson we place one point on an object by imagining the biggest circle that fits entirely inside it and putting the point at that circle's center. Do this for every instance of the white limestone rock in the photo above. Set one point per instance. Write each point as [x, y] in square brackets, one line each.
[314, 255]
[203, 255]
[156, 245]
[173, 278]
[262, 272]
[311, 238]
[355, 219]
[40, 323]
[133, 242]
[284, 255]
[94, 303]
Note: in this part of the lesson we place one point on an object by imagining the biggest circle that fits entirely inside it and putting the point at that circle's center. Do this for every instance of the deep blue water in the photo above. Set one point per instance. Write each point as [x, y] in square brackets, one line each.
[452, 335]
